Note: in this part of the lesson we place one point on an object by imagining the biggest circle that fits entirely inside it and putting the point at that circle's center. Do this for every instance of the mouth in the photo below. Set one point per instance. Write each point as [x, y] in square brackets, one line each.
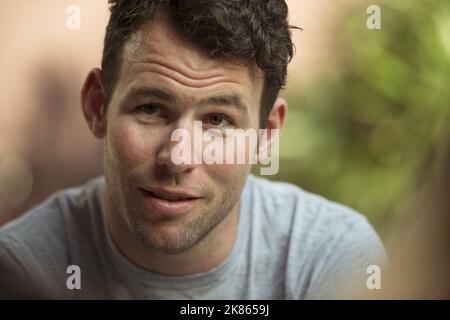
[170, 202]
[171, 196]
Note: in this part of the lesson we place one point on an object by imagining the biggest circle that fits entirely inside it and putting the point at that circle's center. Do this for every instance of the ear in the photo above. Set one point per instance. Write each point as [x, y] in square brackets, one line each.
[275, 123]
[92, 98]
[277, 116]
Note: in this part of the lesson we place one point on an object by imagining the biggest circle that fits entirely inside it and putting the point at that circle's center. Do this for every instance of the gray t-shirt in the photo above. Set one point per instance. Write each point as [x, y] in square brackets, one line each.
[290, 244]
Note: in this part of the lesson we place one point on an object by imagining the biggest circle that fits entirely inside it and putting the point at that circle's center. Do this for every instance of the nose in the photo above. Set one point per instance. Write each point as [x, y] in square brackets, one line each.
[179, 153]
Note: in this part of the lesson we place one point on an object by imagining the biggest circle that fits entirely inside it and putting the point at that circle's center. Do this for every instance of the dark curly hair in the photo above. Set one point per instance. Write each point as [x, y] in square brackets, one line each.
[247, 30]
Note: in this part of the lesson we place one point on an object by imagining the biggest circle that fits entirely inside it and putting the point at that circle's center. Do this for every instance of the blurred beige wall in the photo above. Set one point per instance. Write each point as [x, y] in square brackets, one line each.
[44, 142]
[314, 50]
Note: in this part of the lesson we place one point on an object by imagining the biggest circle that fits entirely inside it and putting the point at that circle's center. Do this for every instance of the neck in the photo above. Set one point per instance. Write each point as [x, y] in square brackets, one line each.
[208, 253]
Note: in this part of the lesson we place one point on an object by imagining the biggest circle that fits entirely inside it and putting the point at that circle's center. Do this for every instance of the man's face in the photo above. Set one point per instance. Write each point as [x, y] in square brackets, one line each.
[165, 84]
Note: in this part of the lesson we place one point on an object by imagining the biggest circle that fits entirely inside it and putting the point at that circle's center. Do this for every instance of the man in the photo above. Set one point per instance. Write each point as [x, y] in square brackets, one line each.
[156, 228]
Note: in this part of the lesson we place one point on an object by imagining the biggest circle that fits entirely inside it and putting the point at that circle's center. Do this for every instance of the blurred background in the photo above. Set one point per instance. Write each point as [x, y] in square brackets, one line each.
[368, 109]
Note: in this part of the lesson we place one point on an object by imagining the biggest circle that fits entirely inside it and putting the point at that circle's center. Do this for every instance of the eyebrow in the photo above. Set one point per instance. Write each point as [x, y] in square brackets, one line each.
[153, 92]
[225, 99]
[231, 100]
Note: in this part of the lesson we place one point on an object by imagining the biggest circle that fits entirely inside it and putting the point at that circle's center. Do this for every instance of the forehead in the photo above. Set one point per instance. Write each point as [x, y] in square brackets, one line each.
[157, 52]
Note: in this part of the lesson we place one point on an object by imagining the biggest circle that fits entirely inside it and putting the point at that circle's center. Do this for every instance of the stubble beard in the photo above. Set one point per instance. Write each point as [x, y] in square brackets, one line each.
[181, 237]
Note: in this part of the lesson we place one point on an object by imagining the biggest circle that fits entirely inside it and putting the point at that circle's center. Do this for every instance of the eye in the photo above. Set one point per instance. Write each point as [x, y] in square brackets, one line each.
[218, 120]
[149, 109]
[151, 113]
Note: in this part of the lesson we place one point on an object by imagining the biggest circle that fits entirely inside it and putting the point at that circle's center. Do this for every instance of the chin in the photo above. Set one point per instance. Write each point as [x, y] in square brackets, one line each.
[165, 238]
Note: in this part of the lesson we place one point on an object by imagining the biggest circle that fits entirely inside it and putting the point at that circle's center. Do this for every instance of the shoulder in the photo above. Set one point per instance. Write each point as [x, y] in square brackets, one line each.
[40, 236]
[304, 222]
[33, 228]
[47, 220]
[325, 243]
[289, 206]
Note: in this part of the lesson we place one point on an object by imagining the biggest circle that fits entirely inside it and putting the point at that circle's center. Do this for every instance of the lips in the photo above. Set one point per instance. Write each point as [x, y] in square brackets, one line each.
[172, 196]
[170, 202]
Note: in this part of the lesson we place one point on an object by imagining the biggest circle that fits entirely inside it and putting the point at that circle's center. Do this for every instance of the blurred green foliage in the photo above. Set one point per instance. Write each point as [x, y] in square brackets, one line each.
[360, 135]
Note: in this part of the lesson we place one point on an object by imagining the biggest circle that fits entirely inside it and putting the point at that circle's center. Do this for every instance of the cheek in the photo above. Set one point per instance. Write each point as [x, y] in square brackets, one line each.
[228, 177]
[129, 145]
